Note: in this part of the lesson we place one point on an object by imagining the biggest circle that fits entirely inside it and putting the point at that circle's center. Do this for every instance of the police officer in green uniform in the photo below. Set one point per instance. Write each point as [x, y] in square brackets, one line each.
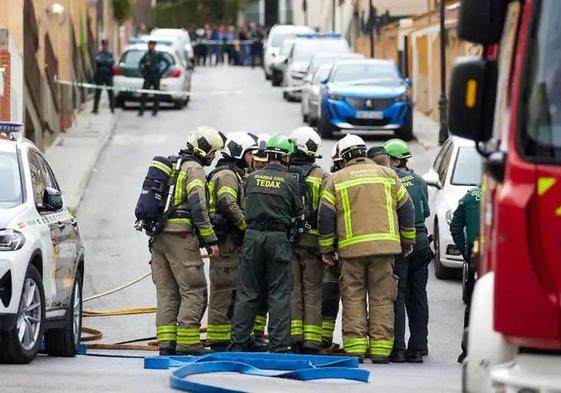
[412, 270]
[466, 216]
[104, 61]
[276, 205]
[150, 66]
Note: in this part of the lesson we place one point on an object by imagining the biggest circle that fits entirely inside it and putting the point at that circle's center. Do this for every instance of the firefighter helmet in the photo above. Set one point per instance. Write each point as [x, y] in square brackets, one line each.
[352, 146]
[259, 152]
[205, 140]
[335, 156]
[398, 149]
[307, 141]
[238, 143]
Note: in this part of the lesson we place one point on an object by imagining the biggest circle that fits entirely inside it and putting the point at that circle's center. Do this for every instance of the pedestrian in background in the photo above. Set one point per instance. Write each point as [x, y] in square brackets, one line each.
[153, 65]
[256, 49]
[413, 270]
[103, 76]
[366, 247]
[244, 46]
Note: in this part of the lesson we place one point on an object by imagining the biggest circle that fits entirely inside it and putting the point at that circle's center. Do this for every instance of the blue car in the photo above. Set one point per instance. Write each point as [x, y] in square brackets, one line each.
[366, 96]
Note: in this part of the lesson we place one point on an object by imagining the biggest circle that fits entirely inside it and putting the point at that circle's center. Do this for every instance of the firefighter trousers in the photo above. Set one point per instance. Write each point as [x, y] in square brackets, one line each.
[265, 259]
[181, 291]
[223, 275]
[330, 298]
[412, 297]
[305, 302]
[368, 325]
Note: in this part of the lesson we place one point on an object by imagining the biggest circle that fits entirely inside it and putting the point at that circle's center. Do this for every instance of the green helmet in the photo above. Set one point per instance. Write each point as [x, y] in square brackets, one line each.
[396, 148]
[280, 144]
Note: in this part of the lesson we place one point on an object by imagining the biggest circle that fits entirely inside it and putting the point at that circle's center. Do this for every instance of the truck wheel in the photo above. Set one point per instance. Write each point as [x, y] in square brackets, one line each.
[440, 271]
[65, 342]
[21, 344]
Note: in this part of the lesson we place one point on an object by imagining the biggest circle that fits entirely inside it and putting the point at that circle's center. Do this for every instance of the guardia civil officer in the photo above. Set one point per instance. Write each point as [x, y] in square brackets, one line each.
[276, 205]
[466, 217]
[366, 245]
[103, 76]
[228, 218]
[412, 270]
[177, 266]
[153, 65]
[307, 266]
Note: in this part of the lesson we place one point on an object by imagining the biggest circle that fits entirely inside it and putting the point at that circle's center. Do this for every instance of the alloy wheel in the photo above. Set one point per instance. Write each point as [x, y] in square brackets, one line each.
[29, 318]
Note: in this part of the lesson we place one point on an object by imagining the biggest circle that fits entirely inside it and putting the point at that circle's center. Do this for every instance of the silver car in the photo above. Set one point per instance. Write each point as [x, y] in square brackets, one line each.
[312, 94]
[308, 91]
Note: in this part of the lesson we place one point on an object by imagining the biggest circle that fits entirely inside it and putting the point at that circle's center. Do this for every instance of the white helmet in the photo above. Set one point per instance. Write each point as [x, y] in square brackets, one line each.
[259, 152]
[238, 143]
[350, 143]
[307, 141]
[335, 156]
[204, 140]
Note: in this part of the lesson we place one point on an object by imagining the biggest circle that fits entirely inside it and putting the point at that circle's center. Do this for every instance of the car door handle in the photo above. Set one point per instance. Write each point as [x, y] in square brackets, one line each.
[61, 225]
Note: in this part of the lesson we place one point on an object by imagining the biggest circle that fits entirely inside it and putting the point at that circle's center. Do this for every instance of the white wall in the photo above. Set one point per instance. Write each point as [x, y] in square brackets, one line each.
[16, 83]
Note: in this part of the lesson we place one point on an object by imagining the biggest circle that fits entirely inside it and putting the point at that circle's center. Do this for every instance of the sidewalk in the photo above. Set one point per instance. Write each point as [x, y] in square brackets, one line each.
[425, 130]
[74, 154]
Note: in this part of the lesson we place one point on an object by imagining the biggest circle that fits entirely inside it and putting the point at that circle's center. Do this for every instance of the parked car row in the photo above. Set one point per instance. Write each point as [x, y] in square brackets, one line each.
[339, 91]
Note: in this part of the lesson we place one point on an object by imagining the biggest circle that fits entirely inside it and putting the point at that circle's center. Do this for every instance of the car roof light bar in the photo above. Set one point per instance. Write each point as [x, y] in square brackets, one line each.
[319, 35]
[14, 130]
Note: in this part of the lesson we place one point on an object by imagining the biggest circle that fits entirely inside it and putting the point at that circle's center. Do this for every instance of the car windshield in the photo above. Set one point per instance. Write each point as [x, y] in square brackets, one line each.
[321, 74]
[277, 39]
[467, 171]
[11, 190]
[305, 49]
[372, 73]
[541, 123]
[132, 57]
[286, 47]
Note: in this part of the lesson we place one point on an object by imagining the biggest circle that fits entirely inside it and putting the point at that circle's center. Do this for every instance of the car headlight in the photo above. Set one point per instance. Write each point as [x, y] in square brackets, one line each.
[403, 97]
[449, 215]
[335, 97]
[11, 240]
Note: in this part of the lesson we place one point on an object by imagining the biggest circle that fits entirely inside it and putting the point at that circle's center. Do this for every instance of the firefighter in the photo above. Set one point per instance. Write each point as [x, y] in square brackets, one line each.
[330, 296]
[276, 205]
[225, 185]
[466, 216]
[150, 66]
[177, 266]
[412, 270]
[307, 267]
[366, 245]
[104, 61]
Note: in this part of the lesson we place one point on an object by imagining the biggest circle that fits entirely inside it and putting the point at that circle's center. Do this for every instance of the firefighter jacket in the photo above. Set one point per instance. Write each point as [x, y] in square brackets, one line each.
[190, 201]
[419, 193]
[274, 197]
[365, 210]
[226, 193]
[466, 216]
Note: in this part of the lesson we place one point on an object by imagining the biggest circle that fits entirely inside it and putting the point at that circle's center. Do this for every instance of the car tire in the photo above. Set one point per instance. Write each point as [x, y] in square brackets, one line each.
[275, 80]
[267, 77]
[325, 128]
[120, 102]
[178, 104]
[406, 132]
[65, 342]
[440, 271]
[305, 118]
[12, 350]
[312, 122]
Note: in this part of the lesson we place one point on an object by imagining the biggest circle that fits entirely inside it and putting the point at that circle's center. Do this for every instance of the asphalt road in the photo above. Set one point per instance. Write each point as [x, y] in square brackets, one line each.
[116, 253]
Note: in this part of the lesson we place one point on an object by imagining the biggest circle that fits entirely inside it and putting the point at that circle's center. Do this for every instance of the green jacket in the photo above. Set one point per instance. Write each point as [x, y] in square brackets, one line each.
[274, 197]
[104, 61]
[151, 64]
[418, 191]
[466, 216]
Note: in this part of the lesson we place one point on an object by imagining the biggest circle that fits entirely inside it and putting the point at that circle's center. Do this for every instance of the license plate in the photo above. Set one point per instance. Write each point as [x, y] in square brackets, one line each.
[369, 115]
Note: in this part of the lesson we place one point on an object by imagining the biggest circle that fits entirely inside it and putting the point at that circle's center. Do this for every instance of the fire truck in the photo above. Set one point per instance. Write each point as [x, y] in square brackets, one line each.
[508, 100]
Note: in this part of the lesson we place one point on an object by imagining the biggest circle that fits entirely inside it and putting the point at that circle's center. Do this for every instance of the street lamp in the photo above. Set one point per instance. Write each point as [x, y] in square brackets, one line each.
[443, 102]
[57, 13]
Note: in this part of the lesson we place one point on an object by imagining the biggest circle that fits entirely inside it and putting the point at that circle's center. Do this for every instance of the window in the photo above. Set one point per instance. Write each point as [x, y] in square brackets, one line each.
[41, 176]
[11, 193]
[445, 162]
[541, 101]
[440, 154]
[467, 171]
[132, 57]
[305, 49]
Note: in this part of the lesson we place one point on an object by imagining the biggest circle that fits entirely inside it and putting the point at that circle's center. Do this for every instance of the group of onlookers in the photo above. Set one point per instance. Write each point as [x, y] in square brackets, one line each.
[216, 45]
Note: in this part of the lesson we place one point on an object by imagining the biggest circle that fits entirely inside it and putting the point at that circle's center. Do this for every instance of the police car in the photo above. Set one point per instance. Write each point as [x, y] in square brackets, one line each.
[41, 256]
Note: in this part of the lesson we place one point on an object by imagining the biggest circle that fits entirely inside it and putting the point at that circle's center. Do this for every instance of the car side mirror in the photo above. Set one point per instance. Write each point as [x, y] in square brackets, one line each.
[472, 98]
[432, 179]
[409, 82]
[52, 199]
[285, 61]
[324, 80]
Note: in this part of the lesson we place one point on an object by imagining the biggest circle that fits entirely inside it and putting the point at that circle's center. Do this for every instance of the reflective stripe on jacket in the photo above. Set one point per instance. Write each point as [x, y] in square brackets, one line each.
[314, 181]
[226, 195]
[365, 210]
[190, 195]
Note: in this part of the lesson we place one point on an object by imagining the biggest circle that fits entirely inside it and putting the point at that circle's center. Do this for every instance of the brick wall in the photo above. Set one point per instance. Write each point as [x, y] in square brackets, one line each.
[5, 113]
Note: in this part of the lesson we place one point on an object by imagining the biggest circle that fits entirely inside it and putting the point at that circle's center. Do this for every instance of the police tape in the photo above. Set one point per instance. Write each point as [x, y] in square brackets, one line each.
[139, 90]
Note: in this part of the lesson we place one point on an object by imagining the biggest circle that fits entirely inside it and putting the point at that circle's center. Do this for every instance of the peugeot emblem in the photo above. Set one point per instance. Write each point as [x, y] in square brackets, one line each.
[368, 103]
